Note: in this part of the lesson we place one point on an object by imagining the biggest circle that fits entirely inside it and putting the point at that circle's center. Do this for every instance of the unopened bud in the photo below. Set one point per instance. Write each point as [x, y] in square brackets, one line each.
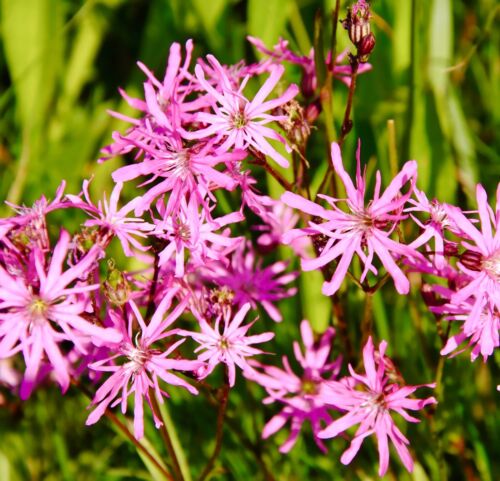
[429, 296]
[295, 125]
[365, 47]
[312, 111]
[308, 84]
[358, 26]
[450, 249]
[472, 260]
[116, 286]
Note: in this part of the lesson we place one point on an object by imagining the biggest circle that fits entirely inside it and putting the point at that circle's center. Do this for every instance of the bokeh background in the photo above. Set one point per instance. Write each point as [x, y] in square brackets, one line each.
[435, 73]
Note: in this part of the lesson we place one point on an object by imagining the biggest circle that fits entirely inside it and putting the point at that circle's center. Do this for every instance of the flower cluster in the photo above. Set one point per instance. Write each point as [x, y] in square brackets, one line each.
[181, 207]
[466, 255]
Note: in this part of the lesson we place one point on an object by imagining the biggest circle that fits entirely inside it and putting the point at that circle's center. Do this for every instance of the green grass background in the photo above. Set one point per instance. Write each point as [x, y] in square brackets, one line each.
[435, 72]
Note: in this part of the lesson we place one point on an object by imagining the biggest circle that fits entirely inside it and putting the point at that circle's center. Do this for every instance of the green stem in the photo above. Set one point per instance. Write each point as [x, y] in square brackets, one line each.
[235, 427]
[347, 122]
[166, 439]
[139, 446]
[281, 180]
[335, 23]
[219, 432]
[436, 432]
[393, 149]
[126, 432]
[17, 187]
[152, 289]
[340, 325]
[367, 322]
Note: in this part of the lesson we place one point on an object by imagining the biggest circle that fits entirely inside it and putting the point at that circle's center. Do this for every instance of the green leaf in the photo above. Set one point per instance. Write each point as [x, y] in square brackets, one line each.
[31, 32]
[463, 144]
[181, 455]
[319, 49]
[209, 17]
[90, 30]
[316, 306]
[440, 45]
[267, 19]
[32, 41]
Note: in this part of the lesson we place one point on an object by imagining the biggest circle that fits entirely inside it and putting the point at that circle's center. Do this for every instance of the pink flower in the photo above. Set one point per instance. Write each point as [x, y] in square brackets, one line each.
[480, 261]
[364, 229]
[238, 122]
[433, 228]
[483, 338]
[191, 232]
[141, 365]
[250, 282]
[231, 346]
[162, 105]
[282, 53]
[36, 317]
[182, 171]
[300, 395]
[31, 220]
[279, 219]
[368, 401]
[112, 220]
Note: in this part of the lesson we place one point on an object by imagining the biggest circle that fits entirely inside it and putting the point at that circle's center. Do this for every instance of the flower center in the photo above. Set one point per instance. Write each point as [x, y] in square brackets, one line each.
[178, 165]
[183, 232]
[309, 386]
[239, 120]
[224, 343]
[138, 357]
[375, 402]
[492, 265]
[37, 309]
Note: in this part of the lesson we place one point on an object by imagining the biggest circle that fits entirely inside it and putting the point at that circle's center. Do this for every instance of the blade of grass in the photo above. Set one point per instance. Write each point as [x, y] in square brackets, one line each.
[174, 438]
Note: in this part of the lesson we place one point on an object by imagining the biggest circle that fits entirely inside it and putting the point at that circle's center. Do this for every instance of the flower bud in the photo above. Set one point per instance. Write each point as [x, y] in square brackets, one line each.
[358, 26]
[472, 260]
[430, 297]
[308, 84]
[365, 47]
[450, 249]
[312, 111]
[295, 125]
[116, 286]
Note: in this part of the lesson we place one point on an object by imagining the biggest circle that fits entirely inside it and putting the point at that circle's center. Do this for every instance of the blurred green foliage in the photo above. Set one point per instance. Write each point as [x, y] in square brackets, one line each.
[435, 72]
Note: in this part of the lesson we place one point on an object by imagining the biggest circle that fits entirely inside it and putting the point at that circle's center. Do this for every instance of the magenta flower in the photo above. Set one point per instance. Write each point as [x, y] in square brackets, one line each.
[250, 282]
[480, 261]
[31, 220]
[36, 317]
[282, 53]
[279, 219]
[191, 232]
[231, 346]
[182, 171]
[238, 122]
[300, 395]
[483, 337]
[433, 228]
[162, 105]
[142, 364]
[368, 401]
[112, 220]
[365, 229]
